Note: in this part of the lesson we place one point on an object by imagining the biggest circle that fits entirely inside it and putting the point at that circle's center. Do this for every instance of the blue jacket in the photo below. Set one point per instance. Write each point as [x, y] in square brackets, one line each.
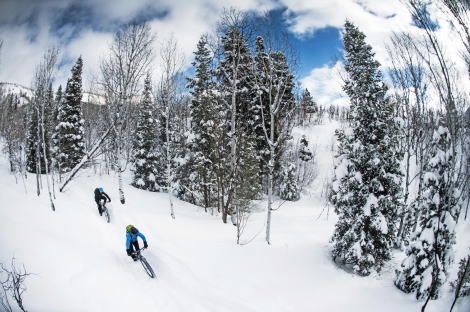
[133, 238]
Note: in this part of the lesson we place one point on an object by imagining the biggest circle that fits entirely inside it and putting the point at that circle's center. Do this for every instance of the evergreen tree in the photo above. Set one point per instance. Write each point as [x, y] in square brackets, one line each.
[273, 103]
[289, 189]
[11, 133]
[70, 122]
[304, 153]
[233, 71]
[429, 257]
[308, 107]
[34, 149]
[145, 153]
[49, 123]
[203, 121]
[367, 187]
[55, 138]
[248, 187]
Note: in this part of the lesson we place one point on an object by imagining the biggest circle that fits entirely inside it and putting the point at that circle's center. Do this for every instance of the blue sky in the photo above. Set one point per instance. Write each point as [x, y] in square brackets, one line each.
[84, 27]
[318, 49]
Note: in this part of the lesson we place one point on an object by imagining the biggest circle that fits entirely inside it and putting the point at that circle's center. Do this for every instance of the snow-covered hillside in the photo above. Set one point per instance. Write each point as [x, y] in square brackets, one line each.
[24, 94]
[80, 264]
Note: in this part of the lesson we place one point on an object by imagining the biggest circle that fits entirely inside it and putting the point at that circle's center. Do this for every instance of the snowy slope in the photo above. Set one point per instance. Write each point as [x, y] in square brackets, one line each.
[24, 94]
[80, 260]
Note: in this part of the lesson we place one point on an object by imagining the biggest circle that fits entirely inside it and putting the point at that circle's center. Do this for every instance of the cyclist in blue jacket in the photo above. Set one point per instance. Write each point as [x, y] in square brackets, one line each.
[131, 240]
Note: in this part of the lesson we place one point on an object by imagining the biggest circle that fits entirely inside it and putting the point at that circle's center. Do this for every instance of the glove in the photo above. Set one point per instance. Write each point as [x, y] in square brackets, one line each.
[129, 252]
[110, 200]
[146, 245]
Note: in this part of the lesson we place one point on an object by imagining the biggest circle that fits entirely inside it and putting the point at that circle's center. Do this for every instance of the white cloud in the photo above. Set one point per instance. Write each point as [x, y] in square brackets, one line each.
[324, 85]
[86, 27]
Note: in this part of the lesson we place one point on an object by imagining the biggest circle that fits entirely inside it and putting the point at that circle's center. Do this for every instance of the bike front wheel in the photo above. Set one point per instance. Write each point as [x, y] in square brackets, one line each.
[147, 267]
[106, 214]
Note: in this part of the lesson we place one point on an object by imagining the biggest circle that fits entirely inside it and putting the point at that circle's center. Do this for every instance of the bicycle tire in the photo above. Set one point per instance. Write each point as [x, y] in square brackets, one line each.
[106, 213]
[147, 267]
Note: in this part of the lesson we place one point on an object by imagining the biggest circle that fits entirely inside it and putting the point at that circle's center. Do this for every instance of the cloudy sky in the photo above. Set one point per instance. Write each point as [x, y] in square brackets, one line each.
[85, 27]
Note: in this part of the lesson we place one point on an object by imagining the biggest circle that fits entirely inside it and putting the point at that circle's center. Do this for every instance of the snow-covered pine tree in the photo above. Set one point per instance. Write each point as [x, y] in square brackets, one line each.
[203, 123]
[367, 185]
[70, 121]
[234, 72]
[429, 257]
[48, 121]
[55, 138]
[248, 186]
[307, 169]
[34, 151]
[144, 153]
[308, 108]
[289, 189]
[304, 153]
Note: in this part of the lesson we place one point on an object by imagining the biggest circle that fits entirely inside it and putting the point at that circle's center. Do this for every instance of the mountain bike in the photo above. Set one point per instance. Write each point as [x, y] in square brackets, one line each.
[138, 255]
[105, 210]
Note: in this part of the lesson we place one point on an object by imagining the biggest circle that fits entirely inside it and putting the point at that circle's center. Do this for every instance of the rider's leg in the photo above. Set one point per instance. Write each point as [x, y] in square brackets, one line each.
[136, 246]
[99, 208]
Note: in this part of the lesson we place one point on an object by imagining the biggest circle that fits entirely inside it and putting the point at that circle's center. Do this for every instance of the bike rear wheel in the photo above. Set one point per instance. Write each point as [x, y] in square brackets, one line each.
[147, 267]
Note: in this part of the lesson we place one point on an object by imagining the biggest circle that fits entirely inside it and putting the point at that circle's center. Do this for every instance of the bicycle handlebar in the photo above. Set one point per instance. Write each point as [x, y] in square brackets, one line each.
[139, 250]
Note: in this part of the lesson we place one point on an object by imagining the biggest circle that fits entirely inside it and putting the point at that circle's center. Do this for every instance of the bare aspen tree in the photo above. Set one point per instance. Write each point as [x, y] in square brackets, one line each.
[43, 77]
[411, 84]
[444, 80]
[171, 63]
[275, 62]
[123, 70]
[460, 10]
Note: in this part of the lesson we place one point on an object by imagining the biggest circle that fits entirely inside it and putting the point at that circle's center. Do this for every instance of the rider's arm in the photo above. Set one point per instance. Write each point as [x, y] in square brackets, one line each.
[141, 236]
[109, 199]
[128, 241]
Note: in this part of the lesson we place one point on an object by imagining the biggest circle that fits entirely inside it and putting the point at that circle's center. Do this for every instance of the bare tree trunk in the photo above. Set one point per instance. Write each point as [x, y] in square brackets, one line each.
[119, 163]
[45, 157]
[168, 160]
[131, 55]
[459, 286]
[270, 179]
[89, 155]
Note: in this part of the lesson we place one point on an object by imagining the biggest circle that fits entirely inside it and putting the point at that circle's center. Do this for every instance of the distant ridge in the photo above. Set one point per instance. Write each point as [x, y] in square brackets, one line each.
[26, 94]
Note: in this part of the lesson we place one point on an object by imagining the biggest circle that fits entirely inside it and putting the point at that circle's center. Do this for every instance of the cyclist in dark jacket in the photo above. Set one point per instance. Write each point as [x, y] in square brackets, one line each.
[99, 195]
[131, 240]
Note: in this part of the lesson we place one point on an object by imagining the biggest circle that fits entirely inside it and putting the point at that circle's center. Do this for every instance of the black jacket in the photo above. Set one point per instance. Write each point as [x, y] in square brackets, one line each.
[99, 195]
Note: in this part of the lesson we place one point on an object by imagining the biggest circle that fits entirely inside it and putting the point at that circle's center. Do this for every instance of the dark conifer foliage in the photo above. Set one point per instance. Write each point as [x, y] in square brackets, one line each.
[234, 71]
[203, 124]
[145, 152]
[34, 148]
[70, 130]
[367, 186]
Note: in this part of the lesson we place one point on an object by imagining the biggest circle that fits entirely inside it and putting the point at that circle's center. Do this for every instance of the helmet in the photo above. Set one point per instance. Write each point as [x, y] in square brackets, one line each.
[134, 230]
[101, 189]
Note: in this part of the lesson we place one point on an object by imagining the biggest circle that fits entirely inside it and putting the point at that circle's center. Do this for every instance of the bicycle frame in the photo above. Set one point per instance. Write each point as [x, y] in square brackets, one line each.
[137, 252]
[103, 204]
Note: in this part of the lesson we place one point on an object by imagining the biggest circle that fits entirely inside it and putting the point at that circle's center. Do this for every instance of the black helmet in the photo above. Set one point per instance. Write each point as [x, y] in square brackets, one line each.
[134, 230]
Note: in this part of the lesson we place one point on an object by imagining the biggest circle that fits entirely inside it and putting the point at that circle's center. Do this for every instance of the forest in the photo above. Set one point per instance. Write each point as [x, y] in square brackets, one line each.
[222, 138]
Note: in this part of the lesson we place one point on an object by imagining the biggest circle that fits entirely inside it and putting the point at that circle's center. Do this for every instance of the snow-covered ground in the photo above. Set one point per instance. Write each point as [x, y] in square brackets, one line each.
[80, 261]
